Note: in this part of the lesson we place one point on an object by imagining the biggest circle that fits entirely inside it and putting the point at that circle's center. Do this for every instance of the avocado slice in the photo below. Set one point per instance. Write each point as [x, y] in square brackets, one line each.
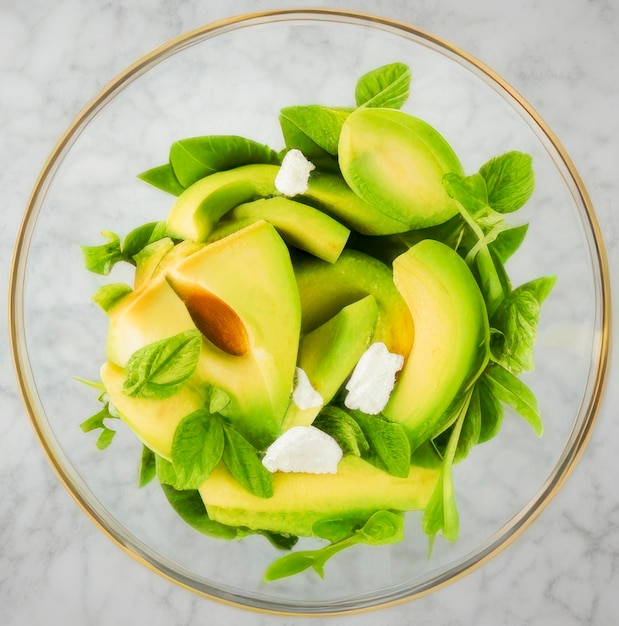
[300, 225]
[200, 206]
[451, 344]
[326, 288]
[357, 490]
[396, 163]
[329, 354]
[147, 260]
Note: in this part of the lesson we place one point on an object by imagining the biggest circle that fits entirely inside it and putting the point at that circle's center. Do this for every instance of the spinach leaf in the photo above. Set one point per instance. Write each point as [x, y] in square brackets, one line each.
[510, 181]
[148, 467]
[97, 421]
[381, 528]
[243, 462]
[108, 296]
[343, 428]
[516, 320]
[196, 157]
[387, 86]
[160, 368]
[102, 258]
[197, 448]
[162, 177]
[309, 126]
[510, 390]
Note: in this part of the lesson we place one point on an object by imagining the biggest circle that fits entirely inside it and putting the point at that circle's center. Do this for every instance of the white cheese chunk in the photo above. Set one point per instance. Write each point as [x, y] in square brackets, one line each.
[304, 395]
[373, 379]
[293, 176]
[303, 449]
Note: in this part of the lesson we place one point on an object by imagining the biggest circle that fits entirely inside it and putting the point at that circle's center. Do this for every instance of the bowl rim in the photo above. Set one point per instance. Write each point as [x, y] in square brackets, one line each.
[562, 469]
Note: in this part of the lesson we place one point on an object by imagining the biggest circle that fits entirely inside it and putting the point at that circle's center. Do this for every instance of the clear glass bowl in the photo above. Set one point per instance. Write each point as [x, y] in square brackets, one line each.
[232, 77]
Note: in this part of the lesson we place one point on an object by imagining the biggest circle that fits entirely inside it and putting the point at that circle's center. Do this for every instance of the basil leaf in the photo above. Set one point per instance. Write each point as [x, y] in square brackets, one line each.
[389, 448]
[387, 86]
[97, 421]
[160, 368]
[101, 259]
[517, 319]
[163, 177]
[218, 400]
[510, 181]
[108, 296]
[196, 157]
[343, 428]
[321, 125]
[243, 462]
[166, 474]
[197, 447]
[491, 411]
[189, 506]
[512, 391]
[148, 467]
[471, 428]
[508, 242]
[140, 237]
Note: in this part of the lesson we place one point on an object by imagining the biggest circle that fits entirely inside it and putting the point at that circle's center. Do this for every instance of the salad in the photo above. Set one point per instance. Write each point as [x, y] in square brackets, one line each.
[316, 335]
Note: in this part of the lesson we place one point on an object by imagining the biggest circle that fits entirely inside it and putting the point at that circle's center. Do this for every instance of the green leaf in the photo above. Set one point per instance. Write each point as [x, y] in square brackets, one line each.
[510, 390]
[321, 125]
[508, 241]
[218, 400]
[166, 474]
[197, 157]
[491, 410]
[142, 236]
[387, 86]
[97, 421]
[101, 259]
[343, 428]
[108, 296]
[148, 467]
[163, 177]
[389, 448]
[517, 319]
[510, 181]
[160, 368]
[243, 462]
[471, 428]
[189, 506]
[197, 448]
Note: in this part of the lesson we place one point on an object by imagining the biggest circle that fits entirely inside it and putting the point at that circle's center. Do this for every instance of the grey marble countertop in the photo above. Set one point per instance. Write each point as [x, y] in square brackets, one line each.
[56, 567]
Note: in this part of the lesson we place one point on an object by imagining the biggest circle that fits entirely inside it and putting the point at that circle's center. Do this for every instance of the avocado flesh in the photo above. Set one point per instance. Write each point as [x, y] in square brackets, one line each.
[299, 225]
[396, 162]
[147, 260]
[327, 288]
[201, 205]
[329, 354]
[330, 193]
[300, 500]
[153, 421]
[251, 274]
[451, 337]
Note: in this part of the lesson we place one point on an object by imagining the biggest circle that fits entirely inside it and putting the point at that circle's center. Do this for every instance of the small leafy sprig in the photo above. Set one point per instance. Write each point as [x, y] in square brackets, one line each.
[98, 420]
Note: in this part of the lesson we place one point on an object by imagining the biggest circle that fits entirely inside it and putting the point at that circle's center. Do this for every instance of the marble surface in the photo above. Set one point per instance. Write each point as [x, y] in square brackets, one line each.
[55, 565]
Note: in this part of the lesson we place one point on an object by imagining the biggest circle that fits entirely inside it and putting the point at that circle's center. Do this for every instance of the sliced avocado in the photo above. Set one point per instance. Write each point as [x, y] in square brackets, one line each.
[198, 208]
[241, 293]
[153, 421]
[147, 260]
[451, 337]
[299, 225]
[396, 163]
[331, 194]
[329, 354]
[326, 288]
[300, 500]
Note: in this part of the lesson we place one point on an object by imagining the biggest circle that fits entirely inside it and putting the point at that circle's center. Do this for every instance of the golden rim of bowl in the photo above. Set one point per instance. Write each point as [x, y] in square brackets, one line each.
[513, 528]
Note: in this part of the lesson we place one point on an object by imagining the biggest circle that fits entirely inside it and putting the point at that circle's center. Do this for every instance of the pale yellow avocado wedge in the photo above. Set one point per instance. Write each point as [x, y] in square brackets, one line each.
[300, 500]
[451, 337]
[243, 287]
[153, 421]
[201, 205]
[329, 354]
[326, 288]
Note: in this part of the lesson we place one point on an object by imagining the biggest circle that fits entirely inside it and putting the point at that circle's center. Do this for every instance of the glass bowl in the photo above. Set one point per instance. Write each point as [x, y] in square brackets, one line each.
[232, 77]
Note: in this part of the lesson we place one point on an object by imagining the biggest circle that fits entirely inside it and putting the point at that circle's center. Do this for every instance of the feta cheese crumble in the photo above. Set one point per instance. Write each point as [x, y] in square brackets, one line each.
[293, 175]
[303, 449]
[304, 395]
[373, 379]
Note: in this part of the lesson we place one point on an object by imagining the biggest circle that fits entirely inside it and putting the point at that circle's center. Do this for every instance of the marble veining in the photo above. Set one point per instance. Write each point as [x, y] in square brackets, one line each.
[55, 565]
